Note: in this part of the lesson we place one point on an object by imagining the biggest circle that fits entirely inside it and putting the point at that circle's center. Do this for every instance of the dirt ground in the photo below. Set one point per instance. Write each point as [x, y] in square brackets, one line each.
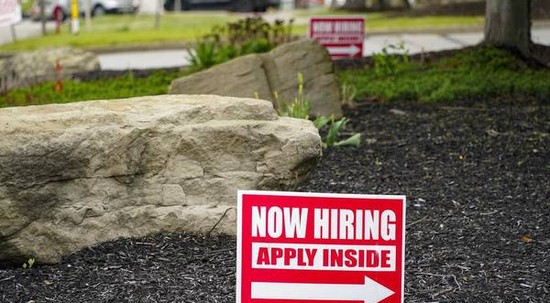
[478, 215]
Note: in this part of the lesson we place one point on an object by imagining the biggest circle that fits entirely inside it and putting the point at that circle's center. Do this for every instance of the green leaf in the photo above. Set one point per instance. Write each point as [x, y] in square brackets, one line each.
[321, 121]
[334, 130]
[354, 140]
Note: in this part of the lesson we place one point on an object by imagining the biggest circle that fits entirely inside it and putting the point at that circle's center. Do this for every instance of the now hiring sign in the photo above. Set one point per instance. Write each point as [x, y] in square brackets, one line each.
[314, 247]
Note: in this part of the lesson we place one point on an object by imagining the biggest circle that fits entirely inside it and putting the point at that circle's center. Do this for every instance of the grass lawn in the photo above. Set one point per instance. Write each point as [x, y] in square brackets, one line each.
[479, 73]
[391, 21]
[121, 87]
[484, 73]
[128, 30]
[186, 27]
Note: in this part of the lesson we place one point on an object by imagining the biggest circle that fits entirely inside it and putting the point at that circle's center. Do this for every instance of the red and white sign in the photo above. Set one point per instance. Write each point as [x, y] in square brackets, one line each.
[10, 12]
[343, 37]
[310, 247]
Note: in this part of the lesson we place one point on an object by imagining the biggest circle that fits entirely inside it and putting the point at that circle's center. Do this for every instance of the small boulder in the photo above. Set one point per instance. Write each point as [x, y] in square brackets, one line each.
[77, 174]
[29, 68]
[276, 71]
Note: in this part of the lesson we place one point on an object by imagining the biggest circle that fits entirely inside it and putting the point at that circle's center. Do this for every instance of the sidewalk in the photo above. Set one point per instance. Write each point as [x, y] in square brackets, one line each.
[414, 43]
[23, 30]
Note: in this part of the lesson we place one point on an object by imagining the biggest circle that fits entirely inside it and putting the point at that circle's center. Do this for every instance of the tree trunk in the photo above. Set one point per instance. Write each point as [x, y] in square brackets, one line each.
[508, 25]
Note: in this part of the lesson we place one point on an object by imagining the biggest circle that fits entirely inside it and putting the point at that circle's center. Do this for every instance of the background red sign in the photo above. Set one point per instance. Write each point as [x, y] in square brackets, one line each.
[342, 36]
[305, 247]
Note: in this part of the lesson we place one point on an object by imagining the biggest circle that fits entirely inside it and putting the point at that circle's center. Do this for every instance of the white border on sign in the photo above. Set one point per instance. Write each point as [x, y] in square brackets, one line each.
[317, 260]
[240, 194]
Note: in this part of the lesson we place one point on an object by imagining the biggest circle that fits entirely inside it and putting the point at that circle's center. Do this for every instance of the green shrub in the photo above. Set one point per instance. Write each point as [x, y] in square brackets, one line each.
[242, 37]
[205, 55]
[392, 60]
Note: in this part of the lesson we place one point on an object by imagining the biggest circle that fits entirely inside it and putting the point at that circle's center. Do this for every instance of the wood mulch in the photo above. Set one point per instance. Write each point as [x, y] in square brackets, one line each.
[478, 214]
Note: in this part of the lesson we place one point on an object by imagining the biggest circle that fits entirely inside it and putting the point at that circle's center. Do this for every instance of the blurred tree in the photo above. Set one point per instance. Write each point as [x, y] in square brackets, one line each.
[508, 25]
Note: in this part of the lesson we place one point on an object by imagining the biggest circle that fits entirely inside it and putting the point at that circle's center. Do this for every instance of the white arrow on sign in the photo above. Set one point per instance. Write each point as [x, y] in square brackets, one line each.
[368, 292]
[350, 50]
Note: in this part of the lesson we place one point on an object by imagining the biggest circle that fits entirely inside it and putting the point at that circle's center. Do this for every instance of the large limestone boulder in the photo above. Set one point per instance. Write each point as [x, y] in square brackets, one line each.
[77, 174]
[276, 71]
[28, 68]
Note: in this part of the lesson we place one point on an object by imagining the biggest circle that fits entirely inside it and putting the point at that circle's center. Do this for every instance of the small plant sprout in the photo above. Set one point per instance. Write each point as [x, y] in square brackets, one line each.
[334, 131]
[29, 264]
[299, 108]
[348, 94]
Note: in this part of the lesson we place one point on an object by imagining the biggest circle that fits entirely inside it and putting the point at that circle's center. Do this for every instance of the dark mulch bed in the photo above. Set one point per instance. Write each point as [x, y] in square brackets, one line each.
[476, 179]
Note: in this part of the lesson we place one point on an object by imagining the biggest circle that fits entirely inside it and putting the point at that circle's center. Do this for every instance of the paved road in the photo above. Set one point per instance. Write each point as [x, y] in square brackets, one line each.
[144, 59]
[415, 43]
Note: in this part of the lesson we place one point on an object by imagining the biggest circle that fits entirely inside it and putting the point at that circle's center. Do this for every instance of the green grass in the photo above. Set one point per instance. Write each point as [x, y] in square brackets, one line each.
[478, 74]
[381, 22]
[122, 87]
[26, 5]
[482, 73]
[391, 21]
[128, 30]
[116, 30]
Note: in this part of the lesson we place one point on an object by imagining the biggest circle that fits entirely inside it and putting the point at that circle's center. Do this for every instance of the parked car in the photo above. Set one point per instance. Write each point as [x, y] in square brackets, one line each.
[98, 7]
[235, 5]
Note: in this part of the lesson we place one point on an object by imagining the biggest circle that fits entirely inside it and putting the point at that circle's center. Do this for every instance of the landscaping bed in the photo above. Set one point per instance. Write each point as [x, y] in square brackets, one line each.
[475, 174]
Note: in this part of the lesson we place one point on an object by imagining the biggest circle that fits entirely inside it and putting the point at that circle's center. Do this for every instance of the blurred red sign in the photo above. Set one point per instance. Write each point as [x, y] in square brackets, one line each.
[310, 247]
[342, 36]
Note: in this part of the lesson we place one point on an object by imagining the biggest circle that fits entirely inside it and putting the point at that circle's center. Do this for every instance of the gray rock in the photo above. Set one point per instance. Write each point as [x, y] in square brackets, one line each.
[276, 71]
[77, 174]
[29, 68]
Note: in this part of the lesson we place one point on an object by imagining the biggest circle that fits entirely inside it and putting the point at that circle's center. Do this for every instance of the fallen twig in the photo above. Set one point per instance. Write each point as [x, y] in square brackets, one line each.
[221, 218]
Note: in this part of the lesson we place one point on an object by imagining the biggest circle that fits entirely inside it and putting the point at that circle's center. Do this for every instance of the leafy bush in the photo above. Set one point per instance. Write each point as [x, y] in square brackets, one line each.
[205, 55]
[242, 37]
[392, 60]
